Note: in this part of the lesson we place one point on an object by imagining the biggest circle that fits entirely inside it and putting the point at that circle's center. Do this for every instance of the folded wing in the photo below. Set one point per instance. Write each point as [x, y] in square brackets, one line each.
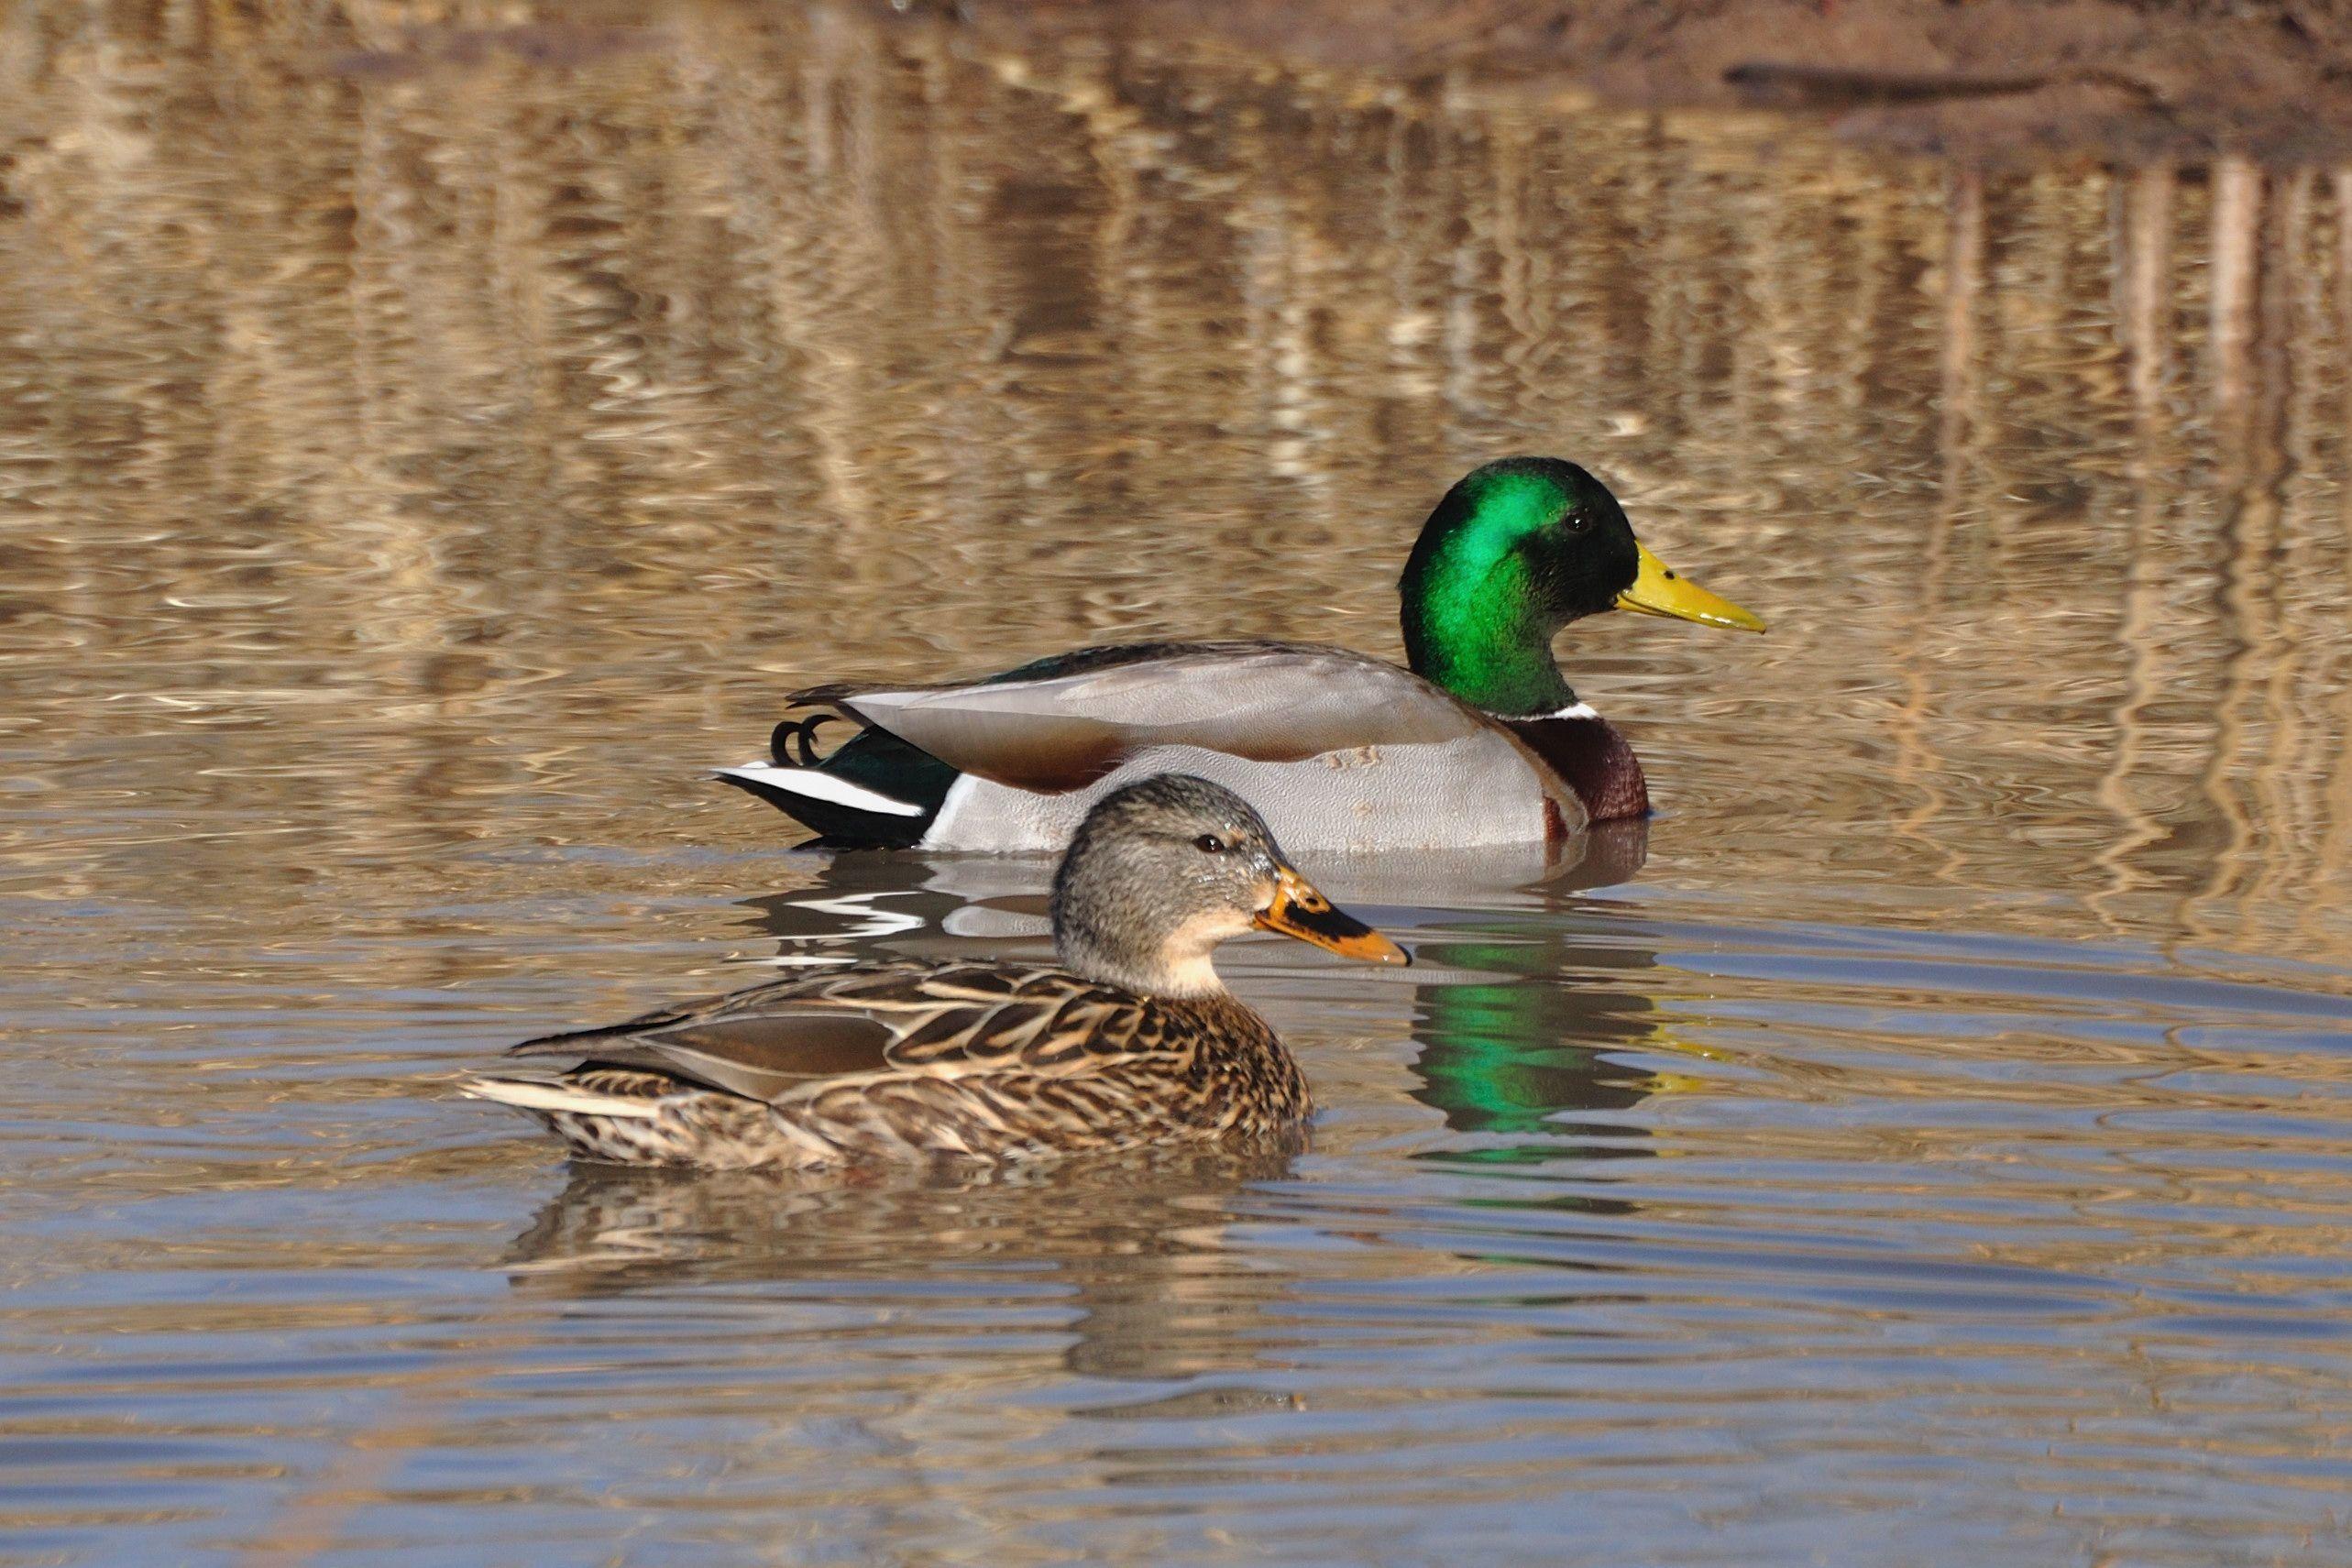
[770, 1041]
[1263, 703]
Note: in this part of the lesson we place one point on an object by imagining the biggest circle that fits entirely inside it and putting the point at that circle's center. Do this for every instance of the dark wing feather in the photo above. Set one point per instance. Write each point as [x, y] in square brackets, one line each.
[760, 1058]
[837, 695]
[920, 1019]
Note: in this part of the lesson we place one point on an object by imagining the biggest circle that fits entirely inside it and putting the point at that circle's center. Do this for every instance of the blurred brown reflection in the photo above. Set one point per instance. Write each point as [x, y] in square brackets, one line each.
[418, 437]
[2143, 311]
[2237, 211]
[1963, 284]
[1135, 1246]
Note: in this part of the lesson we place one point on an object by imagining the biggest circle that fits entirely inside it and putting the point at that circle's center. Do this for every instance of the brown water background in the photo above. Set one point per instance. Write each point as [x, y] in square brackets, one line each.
[425, 444]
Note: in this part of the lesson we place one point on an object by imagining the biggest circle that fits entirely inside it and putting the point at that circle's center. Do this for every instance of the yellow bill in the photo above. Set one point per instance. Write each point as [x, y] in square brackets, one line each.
[1658, 590]
[1299, 911]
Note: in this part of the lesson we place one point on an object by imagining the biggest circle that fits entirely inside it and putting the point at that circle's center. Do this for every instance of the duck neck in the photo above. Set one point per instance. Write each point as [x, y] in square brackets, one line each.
[1475, 626]
[1174, 964]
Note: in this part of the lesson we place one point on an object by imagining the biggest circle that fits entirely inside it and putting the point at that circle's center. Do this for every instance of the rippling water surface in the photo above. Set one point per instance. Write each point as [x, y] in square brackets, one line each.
[425, 442]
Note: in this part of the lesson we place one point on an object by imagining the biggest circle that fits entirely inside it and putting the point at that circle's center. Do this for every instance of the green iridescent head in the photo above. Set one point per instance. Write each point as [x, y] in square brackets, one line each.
[1513, 553]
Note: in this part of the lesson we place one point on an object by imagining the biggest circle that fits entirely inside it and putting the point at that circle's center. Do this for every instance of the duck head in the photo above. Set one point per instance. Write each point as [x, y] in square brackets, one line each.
[1162, 872]
[1513, 553]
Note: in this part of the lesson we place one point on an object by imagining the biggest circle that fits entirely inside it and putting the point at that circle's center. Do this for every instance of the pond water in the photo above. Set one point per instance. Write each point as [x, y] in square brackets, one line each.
[424, 448]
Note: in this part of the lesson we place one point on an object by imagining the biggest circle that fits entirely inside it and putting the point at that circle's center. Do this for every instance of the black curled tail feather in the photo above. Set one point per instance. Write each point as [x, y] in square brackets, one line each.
[793, 742]
[871, 759]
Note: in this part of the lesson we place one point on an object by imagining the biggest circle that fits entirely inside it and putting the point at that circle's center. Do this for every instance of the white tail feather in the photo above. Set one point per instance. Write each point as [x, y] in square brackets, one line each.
[548, 1094]
[822, 787]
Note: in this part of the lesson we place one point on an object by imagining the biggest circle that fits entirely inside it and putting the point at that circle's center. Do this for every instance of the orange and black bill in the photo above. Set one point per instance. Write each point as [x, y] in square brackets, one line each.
[1299, 911]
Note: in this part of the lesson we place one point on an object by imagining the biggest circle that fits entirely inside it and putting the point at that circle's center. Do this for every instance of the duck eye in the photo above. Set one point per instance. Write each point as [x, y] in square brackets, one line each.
[1577, 522]
[1209, 844]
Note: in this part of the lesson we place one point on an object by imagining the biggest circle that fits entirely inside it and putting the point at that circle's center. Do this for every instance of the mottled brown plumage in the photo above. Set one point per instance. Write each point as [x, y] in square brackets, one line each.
[1134, 1042]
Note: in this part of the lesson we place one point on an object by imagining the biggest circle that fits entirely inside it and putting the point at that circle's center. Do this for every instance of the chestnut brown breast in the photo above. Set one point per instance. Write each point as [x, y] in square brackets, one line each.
[1595, 761]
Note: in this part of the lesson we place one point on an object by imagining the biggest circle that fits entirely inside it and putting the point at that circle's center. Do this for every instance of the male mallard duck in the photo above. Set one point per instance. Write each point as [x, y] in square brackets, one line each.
[1482, 743]
[1134, 1041]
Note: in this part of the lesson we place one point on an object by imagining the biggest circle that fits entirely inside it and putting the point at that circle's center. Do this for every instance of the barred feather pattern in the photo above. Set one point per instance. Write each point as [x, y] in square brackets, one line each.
[972, 1061]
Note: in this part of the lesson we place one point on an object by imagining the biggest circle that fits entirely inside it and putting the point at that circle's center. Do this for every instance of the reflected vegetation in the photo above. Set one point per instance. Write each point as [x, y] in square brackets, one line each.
[428, 440]
[561, 394]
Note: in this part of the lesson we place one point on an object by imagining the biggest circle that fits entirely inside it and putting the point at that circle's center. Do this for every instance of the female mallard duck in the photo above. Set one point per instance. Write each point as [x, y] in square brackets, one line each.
[1133, 1041]
[1482, 743]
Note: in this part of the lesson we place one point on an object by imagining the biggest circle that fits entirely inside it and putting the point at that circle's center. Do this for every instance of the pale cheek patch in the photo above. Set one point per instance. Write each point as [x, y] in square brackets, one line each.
[1205, 930]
